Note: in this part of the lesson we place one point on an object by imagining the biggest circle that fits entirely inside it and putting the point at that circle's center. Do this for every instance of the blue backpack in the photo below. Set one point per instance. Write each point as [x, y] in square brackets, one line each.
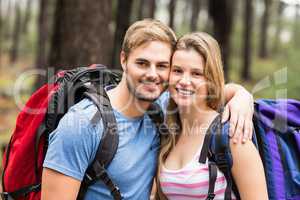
[277, 137]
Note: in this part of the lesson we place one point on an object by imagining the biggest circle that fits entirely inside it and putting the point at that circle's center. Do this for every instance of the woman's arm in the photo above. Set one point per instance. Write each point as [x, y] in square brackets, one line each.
[153, 190]
[248, 171]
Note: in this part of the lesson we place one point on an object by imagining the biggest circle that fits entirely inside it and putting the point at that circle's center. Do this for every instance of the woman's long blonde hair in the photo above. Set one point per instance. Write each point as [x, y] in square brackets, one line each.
[209, 49]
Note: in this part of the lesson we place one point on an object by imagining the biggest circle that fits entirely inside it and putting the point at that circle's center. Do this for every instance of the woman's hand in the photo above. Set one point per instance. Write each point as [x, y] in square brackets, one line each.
[239, 108]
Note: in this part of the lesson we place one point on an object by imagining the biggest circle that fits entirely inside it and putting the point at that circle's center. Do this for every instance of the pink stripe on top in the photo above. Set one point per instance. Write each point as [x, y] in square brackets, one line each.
[200, 196]
[191, 185]
[191, 182]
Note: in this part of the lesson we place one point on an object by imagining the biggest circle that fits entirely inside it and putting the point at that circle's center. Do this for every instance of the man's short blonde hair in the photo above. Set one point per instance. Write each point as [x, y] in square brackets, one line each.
[147, 30]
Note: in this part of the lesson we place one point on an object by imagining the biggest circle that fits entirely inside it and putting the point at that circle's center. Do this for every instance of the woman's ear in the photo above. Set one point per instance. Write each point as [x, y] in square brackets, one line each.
[123, 60]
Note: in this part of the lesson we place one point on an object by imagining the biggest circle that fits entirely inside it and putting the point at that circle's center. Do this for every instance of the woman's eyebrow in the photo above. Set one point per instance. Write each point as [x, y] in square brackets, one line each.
[197, 69]
[176, 66]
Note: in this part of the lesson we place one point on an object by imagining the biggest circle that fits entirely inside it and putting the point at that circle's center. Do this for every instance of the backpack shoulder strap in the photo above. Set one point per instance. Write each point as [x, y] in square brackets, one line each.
[157, 116]
[107, 147]
[216, 148]
[222, 157]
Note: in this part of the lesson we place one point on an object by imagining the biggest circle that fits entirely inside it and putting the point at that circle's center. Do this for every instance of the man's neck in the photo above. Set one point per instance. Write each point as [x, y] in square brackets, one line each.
[125, 102]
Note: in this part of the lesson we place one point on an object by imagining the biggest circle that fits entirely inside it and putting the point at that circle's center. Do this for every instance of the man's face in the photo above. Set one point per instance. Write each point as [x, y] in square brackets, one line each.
[147, 70]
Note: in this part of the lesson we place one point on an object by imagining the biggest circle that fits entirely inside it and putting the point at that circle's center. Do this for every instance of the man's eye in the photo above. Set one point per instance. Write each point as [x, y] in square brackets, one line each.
[142, 64]
[162, 66]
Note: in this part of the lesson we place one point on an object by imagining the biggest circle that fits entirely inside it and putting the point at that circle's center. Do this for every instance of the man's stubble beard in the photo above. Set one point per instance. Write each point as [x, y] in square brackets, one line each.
[133, 90]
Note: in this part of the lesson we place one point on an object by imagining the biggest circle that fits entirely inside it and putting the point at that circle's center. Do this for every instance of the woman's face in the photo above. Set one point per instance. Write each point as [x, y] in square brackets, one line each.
[187, 83]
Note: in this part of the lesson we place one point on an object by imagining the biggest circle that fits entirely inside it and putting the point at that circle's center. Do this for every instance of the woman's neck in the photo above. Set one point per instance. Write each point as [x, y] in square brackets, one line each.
[196, 120]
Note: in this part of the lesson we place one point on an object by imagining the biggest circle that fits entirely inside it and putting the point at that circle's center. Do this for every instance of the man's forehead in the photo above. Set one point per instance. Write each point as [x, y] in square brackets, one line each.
[154, 50]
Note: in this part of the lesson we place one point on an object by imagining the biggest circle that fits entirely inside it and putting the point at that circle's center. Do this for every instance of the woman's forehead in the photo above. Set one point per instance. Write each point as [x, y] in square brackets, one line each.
[188, 58]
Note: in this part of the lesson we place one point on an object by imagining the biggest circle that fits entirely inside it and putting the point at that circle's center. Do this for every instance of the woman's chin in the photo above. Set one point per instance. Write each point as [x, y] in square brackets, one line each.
[184, 104]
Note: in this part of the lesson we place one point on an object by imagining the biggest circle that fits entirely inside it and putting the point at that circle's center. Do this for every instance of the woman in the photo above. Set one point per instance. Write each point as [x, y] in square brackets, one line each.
[196, 88]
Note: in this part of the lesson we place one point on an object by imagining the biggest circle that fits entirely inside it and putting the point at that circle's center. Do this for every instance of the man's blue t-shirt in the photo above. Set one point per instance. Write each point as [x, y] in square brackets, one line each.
[73, 146]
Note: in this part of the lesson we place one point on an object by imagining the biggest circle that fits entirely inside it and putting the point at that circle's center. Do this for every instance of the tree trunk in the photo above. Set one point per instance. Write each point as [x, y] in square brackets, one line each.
[248, 24]
[280, 10]
[81, 34]
[196, 5]
[147, 9]
[172, 8]
[1, 17]
[140, 9]
[1, 36]
[122, 24]
[27, 16]
[1, 26]
[152, 8]
[263, 48]
[186, 15]
[43, 40]
[221, 13]
[16, 34]
[297, 26]
[134, 16]
[7, 18]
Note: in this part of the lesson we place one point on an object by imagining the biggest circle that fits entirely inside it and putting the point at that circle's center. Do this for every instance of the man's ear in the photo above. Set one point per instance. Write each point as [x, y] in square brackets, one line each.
[123, 61]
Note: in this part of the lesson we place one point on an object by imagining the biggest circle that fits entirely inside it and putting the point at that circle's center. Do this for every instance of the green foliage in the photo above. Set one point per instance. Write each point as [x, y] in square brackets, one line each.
[269, 74]
[275, 76]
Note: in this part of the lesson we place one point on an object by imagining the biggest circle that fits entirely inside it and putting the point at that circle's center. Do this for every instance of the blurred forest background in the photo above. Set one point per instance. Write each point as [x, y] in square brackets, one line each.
[260, 41]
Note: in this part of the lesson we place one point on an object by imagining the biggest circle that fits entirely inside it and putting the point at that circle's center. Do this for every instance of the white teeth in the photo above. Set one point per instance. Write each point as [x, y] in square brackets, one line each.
[150, 82]
[184, 92]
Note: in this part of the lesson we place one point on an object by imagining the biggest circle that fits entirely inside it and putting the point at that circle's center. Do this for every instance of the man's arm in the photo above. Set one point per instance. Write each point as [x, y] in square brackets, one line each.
[72, 146]
[239, 107]
[58, 186]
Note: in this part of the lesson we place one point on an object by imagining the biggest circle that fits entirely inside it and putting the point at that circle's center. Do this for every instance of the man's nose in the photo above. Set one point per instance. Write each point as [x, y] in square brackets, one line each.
[152, 72]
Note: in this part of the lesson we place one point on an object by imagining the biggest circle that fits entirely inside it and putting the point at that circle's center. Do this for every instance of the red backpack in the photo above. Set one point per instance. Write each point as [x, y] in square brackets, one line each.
[25, 153]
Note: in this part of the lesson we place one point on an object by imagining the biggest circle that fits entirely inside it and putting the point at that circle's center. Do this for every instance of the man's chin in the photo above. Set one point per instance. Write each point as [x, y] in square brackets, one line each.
[147, 98]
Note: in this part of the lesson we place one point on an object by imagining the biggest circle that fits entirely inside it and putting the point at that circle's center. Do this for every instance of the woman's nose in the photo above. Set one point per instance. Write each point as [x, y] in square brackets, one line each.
[185, 80]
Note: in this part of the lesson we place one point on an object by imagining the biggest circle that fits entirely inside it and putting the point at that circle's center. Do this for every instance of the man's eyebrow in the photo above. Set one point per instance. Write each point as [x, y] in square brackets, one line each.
[142, 59]
[164, 63]
[145, 60]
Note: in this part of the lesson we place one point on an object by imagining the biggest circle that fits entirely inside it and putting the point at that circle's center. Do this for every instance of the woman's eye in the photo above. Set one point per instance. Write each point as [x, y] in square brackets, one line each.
[197, 74]
[177, 71]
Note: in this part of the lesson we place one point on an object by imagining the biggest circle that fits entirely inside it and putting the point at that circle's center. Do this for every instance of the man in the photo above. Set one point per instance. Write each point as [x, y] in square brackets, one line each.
[145, 59]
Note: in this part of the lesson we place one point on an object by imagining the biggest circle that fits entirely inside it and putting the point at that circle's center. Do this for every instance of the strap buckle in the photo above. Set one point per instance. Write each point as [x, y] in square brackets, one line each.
[222, 160]
[36, 188]
[100, 174]
[5, 196]
[116, 192]
[21, 192]
[210, 196]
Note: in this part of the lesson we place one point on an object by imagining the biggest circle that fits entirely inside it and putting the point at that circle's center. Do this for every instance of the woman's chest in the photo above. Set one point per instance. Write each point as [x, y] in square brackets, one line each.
[184, 152]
